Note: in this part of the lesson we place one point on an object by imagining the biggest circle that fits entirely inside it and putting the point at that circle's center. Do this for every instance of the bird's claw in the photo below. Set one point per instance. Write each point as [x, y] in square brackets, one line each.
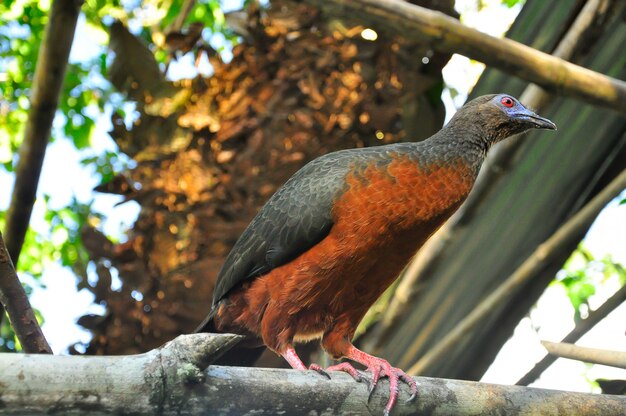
[320, 370]
[411, 382]
[370, 391]
[363, 378]
[376, 373]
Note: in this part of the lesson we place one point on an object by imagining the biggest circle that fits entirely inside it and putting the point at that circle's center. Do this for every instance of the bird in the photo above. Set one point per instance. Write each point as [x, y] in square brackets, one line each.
[329, 242]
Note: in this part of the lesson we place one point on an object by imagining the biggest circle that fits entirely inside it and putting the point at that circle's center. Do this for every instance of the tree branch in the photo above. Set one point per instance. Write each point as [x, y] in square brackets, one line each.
[46, 88]
[447, 35]
[179, 21]
[171, 380]
[16, 303]
[581, 328]
[589, 355]
[572, 231]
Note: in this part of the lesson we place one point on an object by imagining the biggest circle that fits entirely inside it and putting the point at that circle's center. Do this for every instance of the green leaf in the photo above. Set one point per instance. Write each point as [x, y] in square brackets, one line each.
[511, 3]
[8, 340]
[583, 274]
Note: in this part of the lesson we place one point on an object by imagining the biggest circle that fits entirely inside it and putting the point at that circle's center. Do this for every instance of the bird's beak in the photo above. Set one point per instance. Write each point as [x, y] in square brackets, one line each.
[537, 121]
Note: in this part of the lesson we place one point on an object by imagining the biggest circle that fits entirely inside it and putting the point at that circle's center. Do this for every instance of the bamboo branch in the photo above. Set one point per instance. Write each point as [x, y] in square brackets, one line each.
[445, 34]
[572, 231]
[593, 13]
[581, 328]
[46, 88]
[15, 301]
[589, 355]
[171, 380]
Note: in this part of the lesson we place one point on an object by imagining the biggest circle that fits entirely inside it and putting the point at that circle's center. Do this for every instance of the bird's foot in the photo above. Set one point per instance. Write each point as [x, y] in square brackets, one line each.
[381, 368]
[378, 368]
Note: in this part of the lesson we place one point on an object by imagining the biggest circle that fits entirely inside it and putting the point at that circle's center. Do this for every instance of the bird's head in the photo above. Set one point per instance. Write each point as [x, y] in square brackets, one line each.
[499, 116]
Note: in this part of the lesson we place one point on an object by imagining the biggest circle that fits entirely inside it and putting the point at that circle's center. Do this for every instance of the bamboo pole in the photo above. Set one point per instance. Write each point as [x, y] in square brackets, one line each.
[588, 355]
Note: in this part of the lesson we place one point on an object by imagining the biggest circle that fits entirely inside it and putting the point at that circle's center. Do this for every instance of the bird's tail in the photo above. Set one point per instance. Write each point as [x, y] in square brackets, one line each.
[208, 325]
[242, 355]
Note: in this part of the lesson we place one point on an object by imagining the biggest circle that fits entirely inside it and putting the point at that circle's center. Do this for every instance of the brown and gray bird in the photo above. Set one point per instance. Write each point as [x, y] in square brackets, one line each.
[335, 236]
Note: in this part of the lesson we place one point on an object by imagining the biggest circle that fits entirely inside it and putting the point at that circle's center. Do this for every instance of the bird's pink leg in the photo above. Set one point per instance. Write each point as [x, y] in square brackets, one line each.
[292, 358]
[378, 368]
[296, 363]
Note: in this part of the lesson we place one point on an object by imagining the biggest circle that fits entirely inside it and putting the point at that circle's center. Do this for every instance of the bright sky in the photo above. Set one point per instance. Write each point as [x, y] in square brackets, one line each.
[61, 305]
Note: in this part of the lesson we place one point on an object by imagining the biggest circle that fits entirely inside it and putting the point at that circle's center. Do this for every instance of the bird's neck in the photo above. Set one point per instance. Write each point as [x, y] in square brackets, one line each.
[466, 143]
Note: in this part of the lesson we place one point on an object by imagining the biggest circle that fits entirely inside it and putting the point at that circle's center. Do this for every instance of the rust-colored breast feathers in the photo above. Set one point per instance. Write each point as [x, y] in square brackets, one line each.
[400, 195]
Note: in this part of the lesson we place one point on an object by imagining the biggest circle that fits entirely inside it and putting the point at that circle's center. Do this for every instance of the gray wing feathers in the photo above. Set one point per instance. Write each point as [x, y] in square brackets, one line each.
[296, 217]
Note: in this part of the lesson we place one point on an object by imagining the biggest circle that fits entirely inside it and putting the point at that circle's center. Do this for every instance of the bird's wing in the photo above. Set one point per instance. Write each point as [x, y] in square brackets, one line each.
[296, 217]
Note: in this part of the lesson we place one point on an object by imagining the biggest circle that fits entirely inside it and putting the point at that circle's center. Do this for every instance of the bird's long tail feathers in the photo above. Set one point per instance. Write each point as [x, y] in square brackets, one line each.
[241, 355]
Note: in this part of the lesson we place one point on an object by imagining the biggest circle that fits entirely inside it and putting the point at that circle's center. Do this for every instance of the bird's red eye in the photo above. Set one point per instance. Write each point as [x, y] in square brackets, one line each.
[507, 101]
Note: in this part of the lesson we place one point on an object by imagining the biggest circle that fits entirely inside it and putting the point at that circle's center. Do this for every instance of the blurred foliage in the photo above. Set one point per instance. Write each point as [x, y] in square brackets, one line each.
[87, 95]
[582, 274]
[86, 91]
[21, 30]
[59, 243]
[106, 165]
[8, 340]
[64, 241]
[511, 3]
[482, 4]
